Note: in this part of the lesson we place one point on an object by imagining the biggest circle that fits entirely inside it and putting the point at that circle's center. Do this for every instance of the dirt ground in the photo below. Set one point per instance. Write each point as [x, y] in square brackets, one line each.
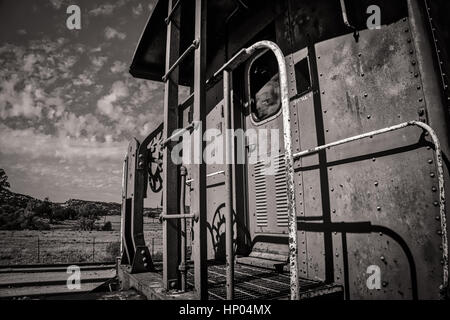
[63, 244]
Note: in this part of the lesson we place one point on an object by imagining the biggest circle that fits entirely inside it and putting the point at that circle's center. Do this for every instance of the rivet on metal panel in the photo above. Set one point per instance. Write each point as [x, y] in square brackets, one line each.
[434, 189]
[430, 161]
[376, 183]
[369, 116]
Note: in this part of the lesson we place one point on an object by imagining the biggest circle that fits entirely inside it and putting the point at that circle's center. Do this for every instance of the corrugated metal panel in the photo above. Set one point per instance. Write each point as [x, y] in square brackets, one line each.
[260, 195]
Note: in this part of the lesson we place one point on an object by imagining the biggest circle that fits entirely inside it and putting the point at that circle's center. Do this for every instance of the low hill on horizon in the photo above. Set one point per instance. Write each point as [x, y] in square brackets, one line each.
[20, 201]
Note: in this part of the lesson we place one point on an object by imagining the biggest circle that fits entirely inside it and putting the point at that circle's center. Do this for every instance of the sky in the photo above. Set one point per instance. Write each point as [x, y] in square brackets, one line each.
[68, 105]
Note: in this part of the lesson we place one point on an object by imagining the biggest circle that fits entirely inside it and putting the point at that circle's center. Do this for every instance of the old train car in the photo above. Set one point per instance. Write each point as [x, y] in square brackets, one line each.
[357, 200]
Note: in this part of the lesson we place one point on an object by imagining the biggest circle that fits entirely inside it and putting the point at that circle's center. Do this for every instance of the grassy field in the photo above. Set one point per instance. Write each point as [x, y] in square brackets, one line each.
[64, 245]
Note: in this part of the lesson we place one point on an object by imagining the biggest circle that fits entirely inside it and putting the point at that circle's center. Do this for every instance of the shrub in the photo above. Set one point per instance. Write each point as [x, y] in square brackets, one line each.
[107, 226]
[113, 250]
[60, 214]
[40, 224]
[86, 224]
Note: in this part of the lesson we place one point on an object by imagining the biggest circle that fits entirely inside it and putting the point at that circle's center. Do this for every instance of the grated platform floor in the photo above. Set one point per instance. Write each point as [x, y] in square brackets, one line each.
[252, 283]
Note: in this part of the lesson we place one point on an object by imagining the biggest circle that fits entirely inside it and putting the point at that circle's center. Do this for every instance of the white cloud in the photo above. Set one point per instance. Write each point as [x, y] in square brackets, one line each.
[29, 61]
[33, 144]
[84, 79]
[111, 33]
[138, 9]
[18, 103]
[104, 10]
[118, 67]
[99, 61]
[56, 3]
[106, 104]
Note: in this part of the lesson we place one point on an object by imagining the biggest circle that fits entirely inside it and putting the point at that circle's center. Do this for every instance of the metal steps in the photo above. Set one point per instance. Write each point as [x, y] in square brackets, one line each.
[252, 283]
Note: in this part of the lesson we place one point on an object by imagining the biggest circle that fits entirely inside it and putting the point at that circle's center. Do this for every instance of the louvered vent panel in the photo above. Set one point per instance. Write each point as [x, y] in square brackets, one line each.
[260, 195]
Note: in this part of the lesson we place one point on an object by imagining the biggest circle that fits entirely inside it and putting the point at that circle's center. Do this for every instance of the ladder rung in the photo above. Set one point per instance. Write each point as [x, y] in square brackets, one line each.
[208, 176]
[179, 133]
[186, 103]
[172, 11]
[191, 48]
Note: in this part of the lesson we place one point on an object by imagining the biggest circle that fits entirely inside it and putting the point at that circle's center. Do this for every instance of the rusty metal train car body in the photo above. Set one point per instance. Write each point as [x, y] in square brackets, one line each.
[375, 201]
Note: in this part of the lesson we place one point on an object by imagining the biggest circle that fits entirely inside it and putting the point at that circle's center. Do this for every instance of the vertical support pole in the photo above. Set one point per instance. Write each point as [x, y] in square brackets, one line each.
[170, 179]
[38, 250]
[199, 170]
[93, 249]
[182, 268]
[228, 185]
[123, 245]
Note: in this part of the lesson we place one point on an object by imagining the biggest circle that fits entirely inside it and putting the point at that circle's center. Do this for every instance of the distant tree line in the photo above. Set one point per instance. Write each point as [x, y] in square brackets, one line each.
[39, 215]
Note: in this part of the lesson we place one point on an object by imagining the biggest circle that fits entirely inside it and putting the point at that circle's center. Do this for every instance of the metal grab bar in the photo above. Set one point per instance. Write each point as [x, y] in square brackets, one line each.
[179, 133]
[239, 58]
[440, 169]
[209, 175]
[191, 48]
[174, 8]
[227, 85]
[182, 267]
[178, 216]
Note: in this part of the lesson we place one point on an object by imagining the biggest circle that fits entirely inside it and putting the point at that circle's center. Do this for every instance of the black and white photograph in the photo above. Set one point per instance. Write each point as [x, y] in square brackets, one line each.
[224, 154]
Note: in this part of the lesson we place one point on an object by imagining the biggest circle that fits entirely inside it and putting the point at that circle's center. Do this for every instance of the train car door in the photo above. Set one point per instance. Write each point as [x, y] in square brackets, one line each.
[267, 199]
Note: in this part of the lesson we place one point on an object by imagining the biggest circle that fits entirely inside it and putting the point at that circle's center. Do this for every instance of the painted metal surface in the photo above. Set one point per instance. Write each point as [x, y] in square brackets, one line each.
[135, 253]
[380, 201]
[364, 86]
[227, 85]
[440, 173]
[171, 243]
[199, 203]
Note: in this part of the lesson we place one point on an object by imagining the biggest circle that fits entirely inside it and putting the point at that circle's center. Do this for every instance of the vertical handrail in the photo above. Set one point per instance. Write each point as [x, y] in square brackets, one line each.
[182, 268]
[288, 158]
[199, 171]
[228, 186]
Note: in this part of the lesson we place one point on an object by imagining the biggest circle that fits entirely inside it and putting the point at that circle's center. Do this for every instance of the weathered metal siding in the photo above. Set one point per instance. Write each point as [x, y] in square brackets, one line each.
[369, 202]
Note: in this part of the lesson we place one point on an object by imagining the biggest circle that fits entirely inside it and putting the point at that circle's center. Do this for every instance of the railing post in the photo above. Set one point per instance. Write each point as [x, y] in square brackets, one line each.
[199, 168]
[228, 185]
[171, 244]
